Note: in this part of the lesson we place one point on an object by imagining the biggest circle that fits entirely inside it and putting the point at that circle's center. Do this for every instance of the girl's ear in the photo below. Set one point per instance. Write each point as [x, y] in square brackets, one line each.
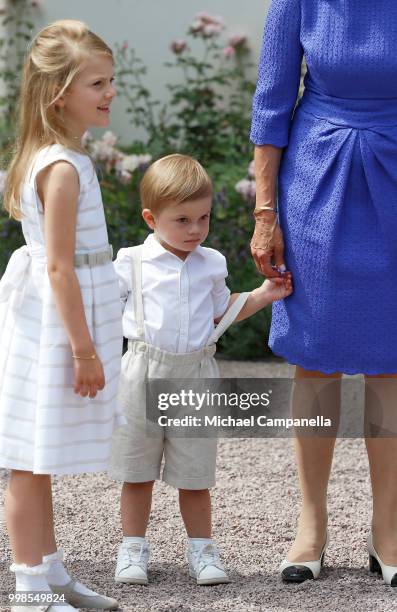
[148, 217]
[59, 102]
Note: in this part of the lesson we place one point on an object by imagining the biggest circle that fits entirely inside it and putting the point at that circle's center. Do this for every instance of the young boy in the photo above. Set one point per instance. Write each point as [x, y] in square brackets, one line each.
[174, 290]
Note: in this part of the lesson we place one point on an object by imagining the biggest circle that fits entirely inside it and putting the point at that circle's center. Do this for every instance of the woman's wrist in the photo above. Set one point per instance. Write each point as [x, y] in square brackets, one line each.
[264, 210]
[265, 216]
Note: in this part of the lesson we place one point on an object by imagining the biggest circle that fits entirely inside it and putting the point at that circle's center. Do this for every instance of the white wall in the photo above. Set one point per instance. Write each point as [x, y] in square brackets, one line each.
[149, 26]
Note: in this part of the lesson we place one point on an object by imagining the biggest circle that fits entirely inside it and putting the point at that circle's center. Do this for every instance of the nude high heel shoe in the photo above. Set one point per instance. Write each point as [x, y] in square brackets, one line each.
[376, 566]
[299, 571]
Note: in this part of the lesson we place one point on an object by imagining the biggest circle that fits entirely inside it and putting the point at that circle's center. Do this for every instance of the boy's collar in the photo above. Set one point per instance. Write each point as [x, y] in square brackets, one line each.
[157, 249]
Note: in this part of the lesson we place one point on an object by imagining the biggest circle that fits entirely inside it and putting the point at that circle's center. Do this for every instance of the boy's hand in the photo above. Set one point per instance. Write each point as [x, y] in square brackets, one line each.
[278, 288]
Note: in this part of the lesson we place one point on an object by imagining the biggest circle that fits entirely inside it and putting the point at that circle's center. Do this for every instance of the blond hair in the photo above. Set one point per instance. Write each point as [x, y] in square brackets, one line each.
[56, 56]
[174, 179]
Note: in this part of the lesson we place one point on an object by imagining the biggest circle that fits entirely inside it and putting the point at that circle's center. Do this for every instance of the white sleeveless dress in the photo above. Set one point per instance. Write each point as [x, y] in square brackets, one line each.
[44, 426]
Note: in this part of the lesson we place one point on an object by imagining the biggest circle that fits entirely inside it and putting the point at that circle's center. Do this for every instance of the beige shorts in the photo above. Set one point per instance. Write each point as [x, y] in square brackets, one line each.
[189, 463]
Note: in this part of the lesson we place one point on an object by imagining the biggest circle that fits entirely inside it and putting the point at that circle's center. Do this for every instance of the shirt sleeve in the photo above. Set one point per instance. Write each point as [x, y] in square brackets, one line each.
[220, 291]
[122, 266]
[278, 75]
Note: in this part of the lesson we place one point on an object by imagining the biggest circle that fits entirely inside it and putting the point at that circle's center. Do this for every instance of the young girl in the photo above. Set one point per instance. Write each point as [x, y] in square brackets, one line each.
[61, 333]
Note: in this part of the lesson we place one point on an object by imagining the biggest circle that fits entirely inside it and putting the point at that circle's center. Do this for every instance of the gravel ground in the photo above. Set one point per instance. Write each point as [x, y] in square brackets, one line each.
[255, 504]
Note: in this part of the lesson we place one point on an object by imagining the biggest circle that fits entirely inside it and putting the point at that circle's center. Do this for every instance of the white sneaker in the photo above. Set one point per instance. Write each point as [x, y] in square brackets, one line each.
[205, 565]
[132, 560]
[45, 608]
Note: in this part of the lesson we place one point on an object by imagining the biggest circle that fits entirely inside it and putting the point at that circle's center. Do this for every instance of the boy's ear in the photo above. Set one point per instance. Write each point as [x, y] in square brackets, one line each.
[148, 217]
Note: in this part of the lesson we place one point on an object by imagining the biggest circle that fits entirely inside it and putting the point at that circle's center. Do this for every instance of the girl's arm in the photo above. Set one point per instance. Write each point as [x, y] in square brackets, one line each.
[58, 187]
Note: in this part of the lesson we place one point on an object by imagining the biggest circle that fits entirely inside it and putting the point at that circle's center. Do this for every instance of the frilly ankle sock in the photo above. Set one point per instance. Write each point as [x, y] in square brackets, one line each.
[30, 577]
[34, 579]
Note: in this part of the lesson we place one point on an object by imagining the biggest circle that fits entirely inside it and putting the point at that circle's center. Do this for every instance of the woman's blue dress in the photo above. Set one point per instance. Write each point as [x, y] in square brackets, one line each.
[337, 185]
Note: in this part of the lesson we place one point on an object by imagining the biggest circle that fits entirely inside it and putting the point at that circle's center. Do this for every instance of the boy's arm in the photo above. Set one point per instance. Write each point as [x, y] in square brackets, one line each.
[271, 290]
[122, 267]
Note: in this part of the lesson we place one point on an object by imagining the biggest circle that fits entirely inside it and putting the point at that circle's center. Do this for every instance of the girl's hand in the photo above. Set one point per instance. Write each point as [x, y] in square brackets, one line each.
[278, 288]
[267, 243]
[89, 377]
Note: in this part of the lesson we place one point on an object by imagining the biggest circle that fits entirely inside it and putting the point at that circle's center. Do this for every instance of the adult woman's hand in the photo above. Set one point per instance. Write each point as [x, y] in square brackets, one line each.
[267, 244]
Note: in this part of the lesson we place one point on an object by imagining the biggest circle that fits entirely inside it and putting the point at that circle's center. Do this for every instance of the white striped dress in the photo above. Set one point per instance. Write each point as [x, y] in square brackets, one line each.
[44, 426]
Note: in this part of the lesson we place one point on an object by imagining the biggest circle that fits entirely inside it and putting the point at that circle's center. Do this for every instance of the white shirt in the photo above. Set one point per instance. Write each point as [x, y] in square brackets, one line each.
[181, 299]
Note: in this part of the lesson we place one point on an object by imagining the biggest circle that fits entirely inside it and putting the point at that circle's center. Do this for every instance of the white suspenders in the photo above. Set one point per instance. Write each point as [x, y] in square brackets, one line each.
[136, 272]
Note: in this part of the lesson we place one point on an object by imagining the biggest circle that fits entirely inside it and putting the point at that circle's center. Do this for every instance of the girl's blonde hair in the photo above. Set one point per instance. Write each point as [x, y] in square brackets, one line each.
[56, 55]
[174, 179]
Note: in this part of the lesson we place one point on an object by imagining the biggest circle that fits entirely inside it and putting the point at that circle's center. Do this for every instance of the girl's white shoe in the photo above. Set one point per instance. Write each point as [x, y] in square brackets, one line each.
[76, 598]
[45, 608]
[31, 580]
[376, 566]
[73, 592]
[299, 571]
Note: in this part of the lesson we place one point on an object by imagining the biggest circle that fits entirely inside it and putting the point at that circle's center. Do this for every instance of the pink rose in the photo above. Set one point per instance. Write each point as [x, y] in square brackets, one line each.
[237, 40]
[229, 51]
[178, 46]
[246, 188]
[207, 25]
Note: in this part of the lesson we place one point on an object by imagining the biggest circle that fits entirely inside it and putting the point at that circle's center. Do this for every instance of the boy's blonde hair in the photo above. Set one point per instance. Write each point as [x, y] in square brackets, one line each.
[174, 179]
[56, 55]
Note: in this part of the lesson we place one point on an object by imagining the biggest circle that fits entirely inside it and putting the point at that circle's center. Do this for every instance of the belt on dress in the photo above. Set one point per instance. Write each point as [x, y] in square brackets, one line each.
[93, 259]
[359, 113]
[15, 275]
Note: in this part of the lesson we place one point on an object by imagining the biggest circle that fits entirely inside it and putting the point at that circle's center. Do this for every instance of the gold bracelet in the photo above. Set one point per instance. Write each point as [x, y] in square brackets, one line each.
[91, 357]
[259, 209]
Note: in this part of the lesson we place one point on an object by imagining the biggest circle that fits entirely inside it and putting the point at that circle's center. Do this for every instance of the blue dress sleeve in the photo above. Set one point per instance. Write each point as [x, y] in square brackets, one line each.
[279, 74]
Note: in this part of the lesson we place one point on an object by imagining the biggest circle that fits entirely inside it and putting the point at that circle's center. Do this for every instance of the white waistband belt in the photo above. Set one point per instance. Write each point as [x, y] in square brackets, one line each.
[93, 259]
[14, 277]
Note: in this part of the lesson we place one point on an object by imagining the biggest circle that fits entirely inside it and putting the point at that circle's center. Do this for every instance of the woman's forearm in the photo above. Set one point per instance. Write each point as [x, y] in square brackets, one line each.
[267, 164]
[267, 241]
[67, 295]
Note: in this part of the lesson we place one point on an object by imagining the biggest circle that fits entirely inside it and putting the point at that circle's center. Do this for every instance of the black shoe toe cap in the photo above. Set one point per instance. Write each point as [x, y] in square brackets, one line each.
[296, 573]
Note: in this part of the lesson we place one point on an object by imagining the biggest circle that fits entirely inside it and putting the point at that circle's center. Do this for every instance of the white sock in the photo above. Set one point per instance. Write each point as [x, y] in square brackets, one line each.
[197, 543]
[30, 578]
[57, 573]
[134, 540]
[58, 576]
